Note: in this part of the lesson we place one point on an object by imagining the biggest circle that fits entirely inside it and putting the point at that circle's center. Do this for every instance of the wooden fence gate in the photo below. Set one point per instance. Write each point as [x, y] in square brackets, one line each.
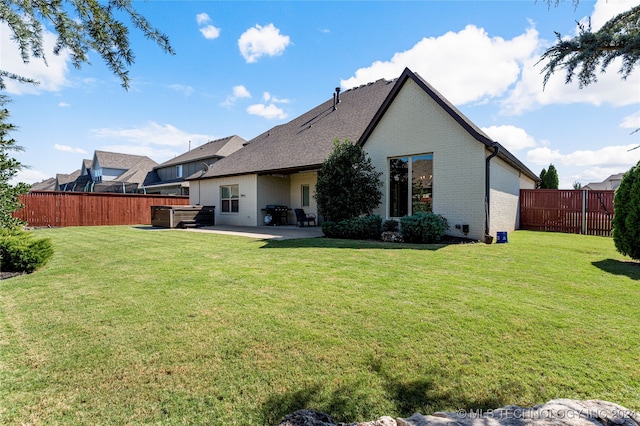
[570, 211]
[46, 208]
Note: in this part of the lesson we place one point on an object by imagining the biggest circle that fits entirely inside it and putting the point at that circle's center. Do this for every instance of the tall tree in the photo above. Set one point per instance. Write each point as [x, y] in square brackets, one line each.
[589, 51]
[9, 167]
[348, 184]
[81, 26]
[626, 217]
[549, 178]
[543, 173]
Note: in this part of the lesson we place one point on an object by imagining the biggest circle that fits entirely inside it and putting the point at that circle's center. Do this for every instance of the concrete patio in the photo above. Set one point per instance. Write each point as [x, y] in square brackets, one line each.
[286, 232]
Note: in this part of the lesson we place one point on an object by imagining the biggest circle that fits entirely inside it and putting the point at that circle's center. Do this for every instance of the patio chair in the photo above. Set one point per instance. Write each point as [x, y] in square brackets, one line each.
[302, 217]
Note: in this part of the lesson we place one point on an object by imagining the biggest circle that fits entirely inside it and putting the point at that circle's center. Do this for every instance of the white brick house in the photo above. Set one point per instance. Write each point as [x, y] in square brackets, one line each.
[430, 154]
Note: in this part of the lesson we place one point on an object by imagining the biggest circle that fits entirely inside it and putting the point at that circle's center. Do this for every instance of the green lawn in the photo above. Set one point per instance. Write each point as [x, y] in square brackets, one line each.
[133, 326]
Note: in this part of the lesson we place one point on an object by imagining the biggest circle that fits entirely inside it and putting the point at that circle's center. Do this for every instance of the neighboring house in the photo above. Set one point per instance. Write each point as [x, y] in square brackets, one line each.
[111, 172]
[45, 185]
[610, 183]
[64, 181]
[428, 151]
[171, 174]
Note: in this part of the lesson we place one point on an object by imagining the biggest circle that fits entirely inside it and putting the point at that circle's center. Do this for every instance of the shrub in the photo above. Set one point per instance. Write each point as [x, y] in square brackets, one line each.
[423, 227]
[357, 228]
[348, 184]
[390, 225]
[22, 252]
[626, 216]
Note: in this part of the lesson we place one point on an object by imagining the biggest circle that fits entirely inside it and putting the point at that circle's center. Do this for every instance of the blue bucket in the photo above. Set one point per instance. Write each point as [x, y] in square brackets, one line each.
[502, 238]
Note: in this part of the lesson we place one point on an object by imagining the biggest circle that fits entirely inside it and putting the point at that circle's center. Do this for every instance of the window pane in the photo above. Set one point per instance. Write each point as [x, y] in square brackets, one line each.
[305, 195]
[398, 187]
[225, 206]
[225, 192]
[234, 206]
[235, 192]
[421, 183]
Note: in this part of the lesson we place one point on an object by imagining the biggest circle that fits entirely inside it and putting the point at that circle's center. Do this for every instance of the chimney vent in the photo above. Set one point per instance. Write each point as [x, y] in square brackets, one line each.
[337, 95]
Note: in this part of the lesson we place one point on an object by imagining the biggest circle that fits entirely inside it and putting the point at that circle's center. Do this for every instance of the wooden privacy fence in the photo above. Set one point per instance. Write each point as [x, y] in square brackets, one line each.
[570, 211]
[55, 209]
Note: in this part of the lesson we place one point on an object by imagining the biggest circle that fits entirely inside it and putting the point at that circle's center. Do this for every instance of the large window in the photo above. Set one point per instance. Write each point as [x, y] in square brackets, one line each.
[410, 184]
[229, 195]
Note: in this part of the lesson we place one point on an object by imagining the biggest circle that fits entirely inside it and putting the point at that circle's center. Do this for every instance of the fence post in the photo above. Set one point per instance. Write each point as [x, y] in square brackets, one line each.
[584, 212]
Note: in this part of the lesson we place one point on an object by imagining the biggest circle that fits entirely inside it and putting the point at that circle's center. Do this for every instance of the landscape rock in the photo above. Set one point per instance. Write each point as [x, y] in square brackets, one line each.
[392, 237]
[558, 412]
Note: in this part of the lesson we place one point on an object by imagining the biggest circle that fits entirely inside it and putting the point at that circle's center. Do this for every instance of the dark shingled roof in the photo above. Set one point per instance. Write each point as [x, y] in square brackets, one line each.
[45, 185]
[116, 160]
[217, 148]
[305, 142]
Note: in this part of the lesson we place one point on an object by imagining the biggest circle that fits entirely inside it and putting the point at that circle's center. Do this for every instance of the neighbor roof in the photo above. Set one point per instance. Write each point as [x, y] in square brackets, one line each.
[45, 185]
[218, 148]
[116, 160]
[141, 173]
[306, 141]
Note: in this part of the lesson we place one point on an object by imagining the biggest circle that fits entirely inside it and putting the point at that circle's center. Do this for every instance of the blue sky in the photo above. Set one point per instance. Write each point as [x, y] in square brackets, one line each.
[244, 67]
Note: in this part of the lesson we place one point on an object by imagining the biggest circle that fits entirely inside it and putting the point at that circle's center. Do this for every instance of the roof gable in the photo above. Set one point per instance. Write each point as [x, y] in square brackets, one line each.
[454, 112]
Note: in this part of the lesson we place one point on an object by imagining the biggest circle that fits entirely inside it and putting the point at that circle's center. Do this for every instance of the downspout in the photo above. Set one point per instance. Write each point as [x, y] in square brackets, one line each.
[487, 190]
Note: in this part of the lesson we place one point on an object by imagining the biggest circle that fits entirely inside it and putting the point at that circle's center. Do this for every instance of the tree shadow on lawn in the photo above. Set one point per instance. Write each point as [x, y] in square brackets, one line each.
[350, 401]
[619, 267]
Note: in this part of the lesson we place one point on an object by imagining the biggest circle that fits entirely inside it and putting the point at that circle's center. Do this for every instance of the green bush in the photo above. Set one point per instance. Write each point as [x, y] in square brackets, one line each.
[626, 214]
[423, 228]
[357, 228]
[390, 225]
[21, 252]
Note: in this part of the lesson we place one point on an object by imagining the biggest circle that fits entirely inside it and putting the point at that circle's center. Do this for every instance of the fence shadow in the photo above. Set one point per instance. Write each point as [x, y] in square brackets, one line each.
[619, 267]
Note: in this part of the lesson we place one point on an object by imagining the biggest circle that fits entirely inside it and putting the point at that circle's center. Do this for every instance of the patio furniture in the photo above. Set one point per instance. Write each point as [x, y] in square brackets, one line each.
[302, 217]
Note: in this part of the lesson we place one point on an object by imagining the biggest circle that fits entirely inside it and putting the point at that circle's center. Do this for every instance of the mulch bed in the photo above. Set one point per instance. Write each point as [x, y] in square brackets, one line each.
[7, 275]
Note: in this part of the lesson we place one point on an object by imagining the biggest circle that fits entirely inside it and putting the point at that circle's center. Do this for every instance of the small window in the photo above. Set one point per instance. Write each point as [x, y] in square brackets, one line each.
[179, 171]
[229, 195]
[305, 195]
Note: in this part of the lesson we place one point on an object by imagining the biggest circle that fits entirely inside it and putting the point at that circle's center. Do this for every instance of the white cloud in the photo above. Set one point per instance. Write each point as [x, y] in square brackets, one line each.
[64, 105]
[267, 111]
[203, 18]
[29, 176]
[67, 148]
[239, 92]
[267, 97]
[607, 9]
[466, 66]
[259, 41]
[152, 133]
[612, 157]
[185, 89]
[631, 121]
[511, 137]
[209, 31]
[529, 94]
[52, 75]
